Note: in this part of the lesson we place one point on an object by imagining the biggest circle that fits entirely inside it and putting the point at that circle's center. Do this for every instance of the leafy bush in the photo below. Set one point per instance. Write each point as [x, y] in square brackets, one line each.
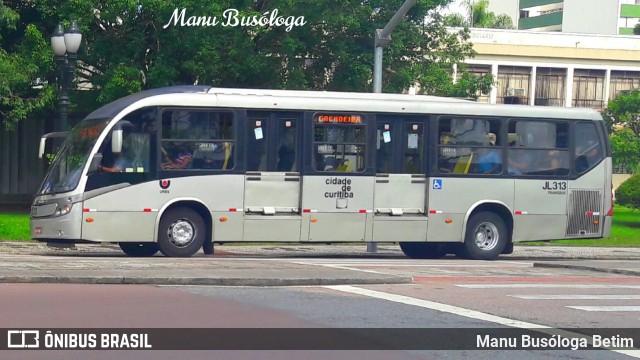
[628, 193]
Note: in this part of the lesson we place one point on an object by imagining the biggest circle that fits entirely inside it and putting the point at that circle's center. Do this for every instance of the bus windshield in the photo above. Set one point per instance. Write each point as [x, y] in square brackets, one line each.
[64, 174]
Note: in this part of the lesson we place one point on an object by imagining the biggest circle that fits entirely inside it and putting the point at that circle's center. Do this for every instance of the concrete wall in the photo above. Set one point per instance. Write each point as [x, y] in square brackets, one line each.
[591, 16]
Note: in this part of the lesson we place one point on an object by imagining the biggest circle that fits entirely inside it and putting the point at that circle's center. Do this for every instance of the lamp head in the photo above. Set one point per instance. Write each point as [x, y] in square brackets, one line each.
[73, 38]
[57, 41]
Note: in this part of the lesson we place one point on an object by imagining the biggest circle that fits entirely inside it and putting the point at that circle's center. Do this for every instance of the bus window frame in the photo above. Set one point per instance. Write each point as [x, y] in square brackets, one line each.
[309, 138]
[237, 121]
[569, 148]
[435, 145]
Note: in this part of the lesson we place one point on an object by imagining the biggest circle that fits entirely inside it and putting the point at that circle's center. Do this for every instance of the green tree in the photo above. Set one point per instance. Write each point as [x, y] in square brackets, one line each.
[623, 119]
[479, 16]
[636, 29]
[23, 65]
[628, 193]
[127, 47]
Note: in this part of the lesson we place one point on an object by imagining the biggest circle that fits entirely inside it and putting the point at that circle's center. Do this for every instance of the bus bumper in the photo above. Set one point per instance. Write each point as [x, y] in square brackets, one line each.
[606, 230]
[64, 228]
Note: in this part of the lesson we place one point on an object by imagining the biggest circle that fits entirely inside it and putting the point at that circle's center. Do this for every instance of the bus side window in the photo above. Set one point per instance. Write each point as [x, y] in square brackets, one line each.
[197, 139]
[339, 146]
[588, 150]
[539, 148]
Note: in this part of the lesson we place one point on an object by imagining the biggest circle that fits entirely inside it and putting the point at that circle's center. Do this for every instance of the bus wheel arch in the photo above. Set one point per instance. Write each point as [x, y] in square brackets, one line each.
[488, 232]
[186, 218]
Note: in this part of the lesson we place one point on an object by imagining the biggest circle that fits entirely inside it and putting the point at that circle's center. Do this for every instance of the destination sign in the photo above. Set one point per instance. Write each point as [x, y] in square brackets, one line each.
[339, 119]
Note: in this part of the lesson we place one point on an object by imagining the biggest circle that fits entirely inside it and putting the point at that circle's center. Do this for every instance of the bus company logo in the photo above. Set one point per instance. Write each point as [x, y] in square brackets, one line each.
[164, 184]
[23, 339]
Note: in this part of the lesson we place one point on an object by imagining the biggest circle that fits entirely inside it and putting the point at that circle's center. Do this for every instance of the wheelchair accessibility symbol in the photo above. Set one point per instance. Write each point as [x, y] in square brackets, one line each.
[437, 184]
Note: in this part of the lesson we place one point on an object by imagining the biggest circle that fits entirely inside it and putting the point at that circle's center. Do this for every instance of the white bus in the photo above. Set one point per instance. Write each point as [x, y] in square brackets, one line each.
[177, 169]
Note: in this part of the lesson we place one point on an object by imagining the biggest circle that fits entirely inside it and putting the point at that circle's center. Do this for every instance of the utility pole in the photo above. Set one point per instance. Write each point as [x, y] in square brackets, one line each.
[382, 39]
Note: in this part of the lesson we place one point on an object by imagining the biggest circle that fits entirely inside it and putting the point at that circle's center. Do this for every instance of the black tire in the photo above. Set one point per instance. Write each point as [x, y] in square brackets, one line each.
[486, 237]
[207, 247]
[424, 250]
[143, 249]
[182, 232]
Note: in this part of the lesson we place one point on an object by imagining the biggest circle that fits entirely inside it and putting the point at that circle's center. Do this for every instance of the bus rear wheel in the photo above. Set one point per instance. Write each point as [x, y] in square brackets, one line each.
[486, 237]
[142, 249]
[424, 250]
[181, 233]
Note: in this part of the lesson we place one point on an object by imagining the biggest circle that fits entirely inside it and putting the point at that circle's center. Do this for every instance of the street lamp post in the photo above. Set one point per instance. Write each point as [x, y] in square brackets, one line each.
[65, 47]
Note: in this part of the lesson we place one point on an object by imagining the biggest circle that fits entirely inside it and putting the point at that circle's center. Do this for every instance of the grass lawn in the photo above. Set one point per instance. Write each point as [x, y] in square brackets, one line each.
[625, 231]
[14, 227]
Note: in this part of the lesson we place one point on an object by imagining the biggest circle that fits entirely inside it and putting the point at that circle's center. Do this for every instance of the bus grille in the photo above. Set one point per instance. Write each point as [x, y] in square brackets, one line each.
[585, 207]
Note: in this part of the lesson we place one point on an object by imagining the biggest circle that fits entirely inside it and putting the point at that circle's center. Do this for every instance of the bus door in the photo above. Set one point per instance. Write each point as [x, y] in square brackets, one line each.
[400, 182]
[338, 186]
[272, 178]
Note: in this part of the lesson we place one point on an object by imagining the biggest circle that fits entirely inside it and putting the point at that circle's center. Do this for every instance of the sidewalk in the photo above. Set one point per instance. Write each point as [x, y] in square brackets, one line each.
[258, 265]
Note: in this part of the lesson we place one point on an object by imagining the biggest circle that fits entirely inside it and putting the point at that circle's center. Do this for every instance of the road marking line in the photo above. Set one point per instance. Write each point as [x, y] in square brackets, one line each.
[577, 297]
[607, 308]
[545, 286]
[476, 315]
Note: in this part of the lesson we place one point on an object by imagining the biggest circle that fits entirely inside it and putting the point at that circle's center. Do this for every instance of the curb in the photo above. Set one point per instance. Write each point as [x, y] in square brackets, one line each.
[588, 268]
[118, 280]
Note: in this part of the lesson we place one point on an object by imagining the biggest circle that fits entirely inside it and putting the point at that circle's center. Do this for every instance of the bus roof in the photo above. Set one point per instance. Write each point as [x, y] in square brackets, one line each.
[207, 96]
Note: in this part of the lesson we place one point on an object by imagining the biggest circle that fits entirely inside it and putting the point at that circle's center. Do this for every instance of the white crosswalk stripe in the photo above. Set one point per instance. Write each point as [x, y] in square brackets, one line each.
[607, 308]
[577, 297]
[546, 286]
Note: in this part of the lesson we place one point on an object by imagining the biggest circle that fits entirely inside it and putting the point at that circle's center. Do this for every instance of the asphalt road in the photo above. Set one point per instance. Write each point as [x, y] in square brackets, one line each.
[449, 294]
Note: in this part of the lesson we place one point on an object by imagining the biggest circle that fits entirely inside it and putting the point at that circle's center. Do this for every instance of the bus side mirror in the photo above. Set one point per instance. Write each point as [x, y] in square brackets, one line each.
[43, 140]
[116, 141]
[43, 143]
[95, 162]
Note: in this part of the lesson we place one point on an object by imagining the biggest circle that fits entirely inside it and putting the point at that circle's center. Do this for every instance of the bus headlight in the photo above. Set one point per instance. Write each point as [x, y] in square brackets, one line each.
[64, 210]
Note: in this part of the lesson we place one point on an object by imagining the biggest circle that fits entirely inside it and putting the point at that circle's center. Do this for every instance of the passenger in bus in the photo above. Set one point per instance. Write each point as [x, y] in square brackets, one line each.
[286, 154]
[119, 165]
[179, 158]
[489, 161]
[554, 163]
[516, 164]
[588, 154]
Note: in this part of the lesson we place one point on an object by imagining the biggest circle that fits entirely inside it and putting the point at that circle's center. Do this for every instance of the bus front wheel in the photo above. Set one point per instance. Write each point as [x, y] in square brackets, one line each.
[423, 250]
[486, 236]
[143, 249]
[182, 232]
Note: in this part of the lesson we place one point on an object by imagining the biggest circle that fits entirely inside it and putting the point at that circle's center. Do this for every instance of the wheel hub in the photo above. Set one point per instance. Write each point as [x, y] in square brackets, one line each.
[181, 232]
[486, 236]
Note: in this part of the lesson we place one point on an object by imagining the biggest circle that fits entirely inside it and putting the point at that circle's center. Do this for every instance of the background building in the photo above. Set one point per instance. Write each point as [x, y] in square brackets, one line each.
[555, 69]
[607, 17]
